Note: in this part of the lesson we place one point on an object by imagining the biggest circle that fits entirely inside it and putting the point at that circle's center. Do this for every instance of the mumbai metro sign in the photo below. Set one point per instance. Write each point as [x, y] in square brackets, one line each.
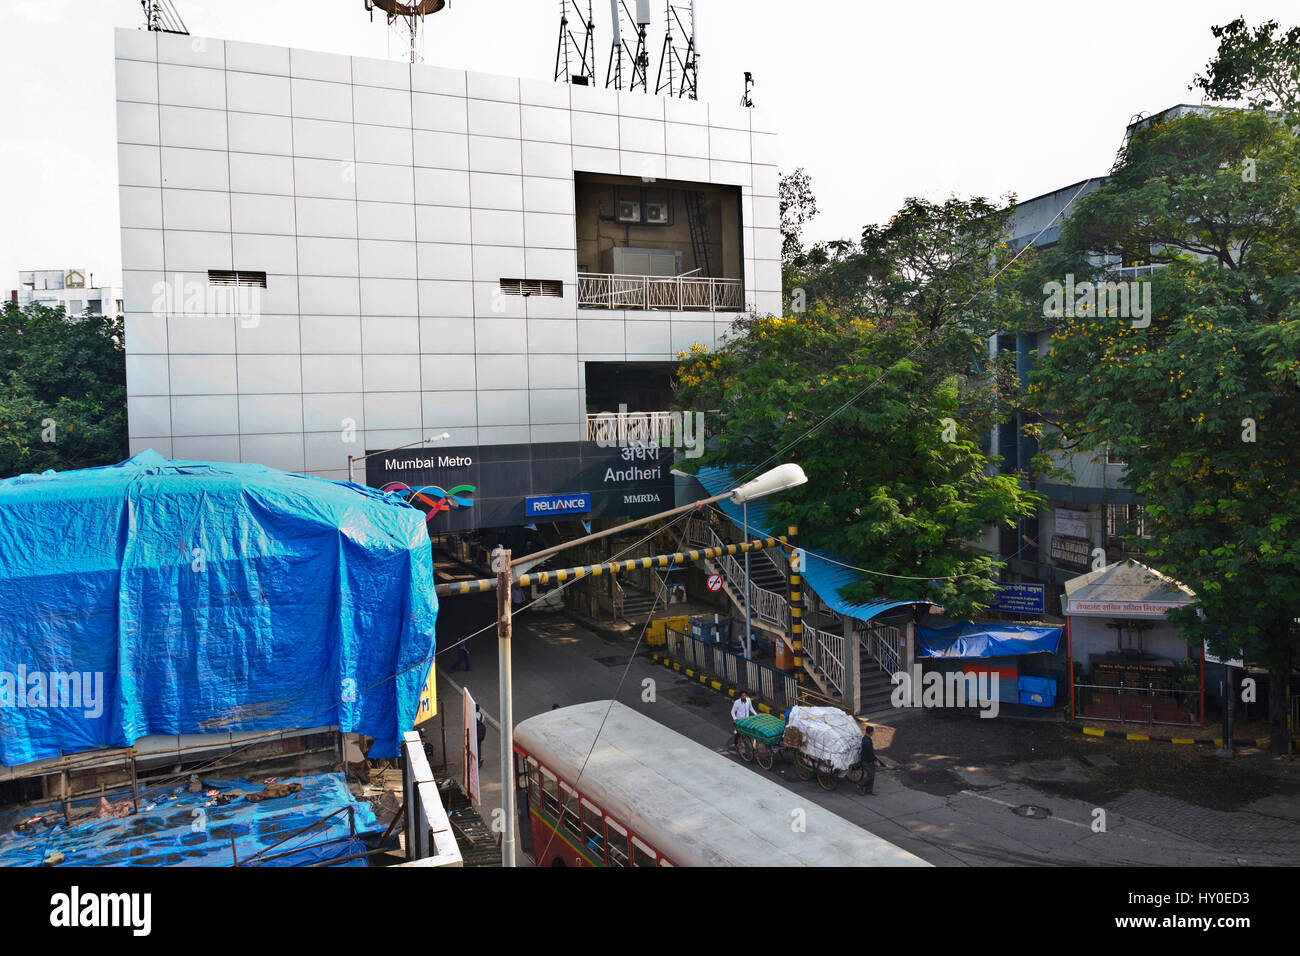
[497, 486]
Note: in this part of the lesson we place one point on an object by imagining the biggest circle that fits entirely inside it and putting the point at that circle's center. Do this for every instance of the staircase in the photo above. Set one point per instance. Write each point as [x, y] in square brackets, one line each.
[638, 604]
[877, 689]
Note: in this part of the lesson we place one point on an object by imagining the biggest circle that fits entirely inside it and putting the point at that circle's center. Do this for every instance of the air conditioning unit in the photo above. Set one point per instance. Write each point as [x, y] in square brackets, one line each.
[656, 213]
[628, 211]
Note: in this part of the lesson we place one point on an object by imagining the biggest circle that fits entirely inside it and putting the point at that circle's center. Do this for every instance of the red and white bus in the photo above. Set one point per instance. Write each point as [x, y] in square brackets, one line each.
[649, 796]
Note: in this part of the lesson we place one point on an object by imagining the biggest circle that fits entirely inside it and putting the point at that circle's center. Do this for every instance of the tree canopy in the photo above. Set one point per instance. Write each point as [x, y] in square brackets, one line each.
[63, 400]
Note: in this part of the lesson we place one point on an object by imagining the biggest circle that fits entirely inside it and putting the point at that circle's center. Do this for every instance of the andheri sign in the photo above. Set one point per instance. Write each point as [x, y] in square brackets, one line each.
[496, 486]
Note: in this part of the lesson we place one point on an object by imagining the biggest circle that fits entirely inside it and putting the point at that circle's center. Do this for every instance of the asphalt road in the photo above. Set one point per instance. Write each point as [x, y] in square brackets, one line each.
[963, 792]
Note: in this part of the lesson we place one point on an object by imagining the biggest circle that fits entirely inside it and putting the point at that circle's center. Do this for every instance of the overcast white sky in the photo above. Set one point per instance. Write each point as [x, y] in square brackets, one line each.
[878, 101]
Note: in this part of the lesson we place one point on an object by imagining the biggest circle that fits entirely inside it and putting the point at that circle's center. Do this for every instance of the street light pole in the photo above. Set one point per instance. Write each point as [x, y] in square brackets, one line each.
[419, 441]
[501, 565]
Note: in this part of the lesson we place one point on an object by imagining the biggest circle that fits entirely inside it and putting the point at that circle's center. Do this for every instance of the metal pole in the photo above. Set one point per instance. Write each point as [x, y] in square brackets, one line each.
[744, 510]
[501, 565]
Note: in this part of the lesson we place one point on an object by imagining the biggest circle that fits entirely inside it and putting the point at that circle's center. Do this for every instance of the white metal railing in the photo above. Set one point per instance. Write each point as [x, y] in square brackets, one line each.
[882, 643]
[602, 290]
[825, 650]
[635, 431]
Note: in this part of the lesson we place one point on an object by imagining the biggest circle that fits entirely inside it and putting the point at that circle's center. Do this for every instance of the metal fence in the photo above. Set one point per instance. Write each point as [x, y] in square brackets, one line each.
[1137, 705]
[683, 293]
[772, 685]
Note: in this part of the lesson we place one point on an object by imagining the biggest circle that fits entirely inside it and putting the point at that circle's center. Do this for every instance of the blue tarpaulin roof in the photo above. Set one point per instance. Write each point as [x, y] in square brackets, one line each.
[173, 827]
[180, 597]
[988, 639]
[825, 577]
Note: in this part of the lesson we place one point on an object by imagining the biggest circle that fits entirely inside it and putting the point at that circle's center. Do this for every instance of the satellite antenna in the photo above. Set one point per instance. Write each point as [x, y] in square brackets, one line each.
[747, 99]
[161, 17]
[678, 67]
[410, 15]
[569, 52]
[628, 24]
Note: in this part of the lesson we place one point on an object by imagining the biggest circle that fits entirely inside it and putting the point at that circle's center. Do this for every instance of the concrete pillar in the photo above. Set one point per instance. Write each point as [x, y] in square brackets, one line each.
[852, 669]
[909, 659]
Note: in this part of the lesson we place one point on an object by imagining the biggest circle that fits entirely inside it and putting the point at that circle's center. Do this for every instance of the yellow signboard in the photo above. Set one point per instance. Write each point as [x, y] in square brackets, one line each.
[428, 697]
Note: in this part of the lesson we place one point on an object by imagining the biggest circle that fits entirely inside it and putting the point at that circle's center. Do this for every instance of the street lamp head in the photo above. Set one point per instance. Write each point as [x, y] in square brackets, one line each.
[780, 478]
[442, 437]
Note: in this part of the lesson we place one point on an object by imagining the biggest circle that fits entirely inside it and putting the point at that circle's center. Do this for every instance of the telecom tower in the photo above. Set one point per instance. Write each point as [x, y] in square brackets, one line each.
[410, 15]
[570, 52]
[161, 17]
[625, 25]
[678, 58]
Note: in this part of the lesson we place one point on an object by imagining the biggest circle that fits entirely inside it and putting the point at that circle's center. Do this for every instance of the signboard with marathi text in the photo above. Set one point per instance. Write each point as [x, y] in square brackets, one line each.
[1017, 597]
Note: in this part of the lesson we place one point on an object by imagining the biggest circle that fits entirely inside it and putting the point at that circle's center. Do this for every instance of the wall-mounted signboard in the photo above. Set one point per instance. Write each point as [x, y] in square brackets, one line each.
[1020, 598]
[497, 486]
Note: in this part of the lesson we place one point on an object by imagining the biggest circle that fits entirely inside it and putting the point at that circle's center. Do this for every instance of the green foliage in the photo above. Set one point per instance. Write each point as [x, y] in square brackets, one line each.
[1261, 66]
[1202, 403]
[886, 488]
[63, 398]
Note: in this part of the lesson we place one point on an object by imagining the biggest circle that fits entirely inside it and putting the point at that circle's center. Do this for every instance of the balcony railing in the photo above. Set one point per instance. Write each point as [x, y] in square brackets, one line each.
[599, 290]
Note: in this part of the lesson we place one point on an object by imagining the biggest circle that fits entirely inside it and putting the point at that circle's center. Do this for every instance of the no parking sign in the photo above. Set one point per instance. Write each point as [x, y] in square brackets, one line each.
[715, 582]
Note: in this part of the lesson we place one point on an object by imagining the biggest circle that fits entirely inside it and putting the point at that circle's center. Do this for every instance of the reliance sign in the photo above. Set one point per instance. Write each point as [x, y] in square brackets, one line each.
[543, 506]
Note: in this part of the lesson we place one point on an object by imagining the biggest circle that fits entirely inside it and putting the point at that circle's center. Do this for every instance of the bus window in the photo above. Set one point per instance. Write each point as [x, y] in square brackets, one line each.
[593, 830]
[617, 843]
[570, 817]
[550, 795]
[642, 855]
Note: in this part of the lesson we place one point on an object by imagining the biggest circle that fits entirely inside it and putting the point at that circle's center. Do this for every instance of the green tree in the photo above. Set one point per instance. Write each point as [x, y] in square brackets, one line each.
[1202, 402]
[63, 398]
[1260, 66]
[887, 411]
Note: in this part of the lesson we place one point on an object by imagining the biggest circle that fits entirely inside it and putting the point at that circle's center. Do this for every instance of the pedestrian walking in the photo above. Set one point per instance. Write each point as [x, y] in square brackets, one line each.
[867, 757]
[462, 657]
[481, 722]
[742, 708]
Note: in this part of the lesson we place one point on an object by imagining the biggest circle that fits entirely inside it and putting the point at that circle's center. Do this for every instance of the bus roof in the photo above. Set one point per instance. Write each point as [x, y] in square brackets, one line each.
[694, 805]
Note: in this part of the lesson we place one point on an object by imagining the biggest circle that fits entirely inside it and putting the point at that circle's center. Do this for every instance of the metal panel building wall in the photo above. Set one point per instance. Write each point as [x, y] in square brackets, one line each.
[384, 202]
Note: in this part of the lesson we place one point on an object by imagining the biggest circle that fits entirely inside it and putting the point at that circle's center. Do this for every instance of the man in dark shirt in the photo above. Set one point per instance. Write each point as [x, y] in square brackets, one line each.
[869, 760]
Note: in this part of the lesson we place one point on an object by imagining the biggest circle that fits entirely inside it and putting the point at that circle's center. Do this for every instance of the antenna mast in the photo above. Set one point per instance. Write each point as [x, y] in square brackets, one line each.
[569, 51]
[161, 17]
[411, 16]
[678, 61]
[626, 24]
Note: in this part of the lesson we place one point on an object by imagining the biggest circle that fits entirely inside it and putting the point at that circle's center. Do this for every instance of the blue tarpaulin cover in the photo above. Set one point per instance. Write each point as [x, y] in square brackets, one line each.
[178, 828]
[989, 639]
[179, 597]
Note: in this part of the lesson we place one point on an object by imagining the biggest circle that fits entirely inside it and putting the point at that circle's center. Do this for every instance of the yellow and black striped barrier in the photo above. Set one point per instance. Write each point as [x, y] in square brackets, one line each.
[611, 567]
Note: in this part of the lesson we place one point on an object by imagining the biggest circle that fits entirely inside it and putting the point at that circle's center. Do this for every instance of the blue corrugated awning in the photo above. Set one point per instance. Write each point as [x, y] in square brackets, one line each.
[823, 576]
[988, 639]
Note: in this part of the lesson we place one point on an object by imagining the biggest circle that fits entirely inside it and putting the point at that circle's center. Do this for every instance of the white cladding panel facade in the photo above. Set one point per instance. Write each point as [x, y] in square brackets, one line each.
[384, 203]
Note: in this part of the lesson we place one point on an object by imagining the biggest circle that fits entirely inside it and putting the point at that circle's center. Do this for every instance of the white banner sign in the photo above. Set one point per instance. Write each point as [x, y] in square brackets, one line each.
[469, 746]
[1074, 524]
